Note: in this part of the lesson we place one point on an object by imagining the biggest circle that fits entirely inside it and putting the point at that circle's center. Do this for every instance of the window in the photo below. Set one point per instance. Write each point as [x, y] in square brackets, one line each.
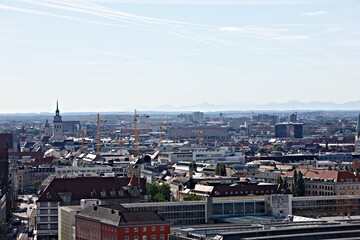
[162, 228]
[144, 237]
[162, 237]
[136, 237]
[126, 238]
[144, 229]
[135, 229]
[153, 237]
[126, 230]
[152, 229]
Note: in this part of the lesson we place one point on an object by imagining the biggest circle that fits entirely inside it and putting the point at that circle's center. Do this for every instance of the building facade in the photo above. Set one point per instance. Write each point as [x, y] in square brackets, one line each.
[118, 223]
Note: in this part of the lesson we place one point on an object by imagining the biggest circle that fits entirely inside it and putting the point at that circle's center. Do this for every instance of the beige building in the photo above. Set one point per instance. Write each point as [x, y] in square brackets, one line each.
[327, 183]
[66, 219]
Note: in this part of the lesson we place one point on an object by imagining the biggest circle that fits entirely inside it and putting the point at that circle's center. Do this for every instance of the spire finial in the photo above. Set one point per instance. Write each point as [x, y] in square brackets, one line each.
[57, 108]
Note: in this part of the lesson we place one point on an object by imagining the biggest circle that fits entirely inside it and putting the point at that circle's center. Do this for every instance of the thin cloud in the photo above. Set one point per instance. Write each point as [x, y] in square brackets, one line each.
[209, 2]
[314, 13]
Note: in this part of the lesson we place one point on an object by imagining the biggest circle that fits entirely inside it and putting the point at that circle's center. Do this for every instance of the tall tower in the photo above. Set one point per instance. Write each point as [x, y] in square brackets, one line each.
[47, 128]
[357, 136]
[58, 130]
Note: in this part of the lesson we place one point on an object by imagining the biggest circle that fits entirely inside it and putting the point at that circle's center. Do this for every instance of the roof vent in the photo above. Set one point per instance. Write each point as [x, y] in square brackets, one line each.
[95, 208]
[112, 211]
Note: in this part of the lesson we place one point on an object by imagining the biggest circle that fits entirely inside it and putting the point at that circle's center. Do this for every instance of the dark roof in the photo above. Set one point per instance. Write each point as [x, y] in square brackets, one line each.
[118, 215]
[242, 190]
[6, 140]
[82, 188]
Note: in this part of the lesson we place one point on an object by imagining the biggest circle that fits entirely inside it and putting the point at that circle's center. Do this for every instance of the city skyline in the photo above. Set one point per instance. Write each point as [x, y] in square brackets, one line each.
[118, 55]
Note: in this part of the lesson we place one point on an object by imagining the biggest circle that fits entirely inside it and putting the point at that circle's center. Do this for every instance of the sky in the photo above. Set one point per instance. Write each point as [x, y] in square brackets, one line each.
[117, 55]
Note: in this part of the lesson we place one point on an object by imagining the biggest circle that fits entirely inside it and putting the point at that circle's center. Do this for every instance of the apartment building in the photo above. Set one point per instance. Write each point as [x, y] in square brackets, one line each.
[327, 183]
[70, 191]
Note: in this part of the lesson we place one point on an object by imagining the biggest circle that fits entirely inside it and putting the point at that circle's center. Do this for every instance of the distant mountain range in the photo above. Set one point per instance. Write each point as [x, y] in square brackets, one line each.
[207, 107]
[290, 105]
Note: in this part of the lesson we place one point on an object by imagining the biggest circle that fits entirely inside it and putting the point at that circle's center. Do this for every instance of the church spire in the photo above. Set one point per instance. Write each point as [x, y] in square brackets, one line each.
[358, 125]
[57, 112]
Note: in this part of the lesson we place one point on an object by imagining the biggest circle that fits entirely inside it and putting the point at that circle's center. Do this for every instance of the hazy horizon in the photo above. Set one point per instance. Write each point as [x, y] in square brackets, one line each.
[117, 55]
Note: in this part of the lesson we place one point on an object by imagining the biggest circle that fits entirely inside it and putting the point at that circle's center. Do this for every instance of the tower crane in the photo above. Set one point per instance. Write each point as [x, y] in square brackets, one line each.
[199, 135]
[98, 129]
[82, 131]
[136, 131]
[137, 140]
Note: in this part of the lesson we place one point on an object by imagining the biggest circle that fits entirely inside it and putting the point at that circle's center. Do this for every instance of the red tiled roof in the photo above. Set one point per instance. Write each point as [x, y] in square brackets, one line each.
[133, 181]
[81, 188]
[325, 174]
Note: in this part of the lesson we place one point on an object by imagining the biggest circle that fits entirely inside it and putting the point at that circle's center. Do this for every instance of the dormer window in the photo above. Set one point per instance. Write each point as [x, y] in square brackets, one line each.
[48, 196]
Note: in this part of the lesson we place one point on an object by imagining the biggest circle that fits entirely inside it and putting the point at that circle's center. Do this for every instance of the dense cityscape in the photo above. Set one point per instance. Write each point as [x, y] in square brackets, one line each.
[191, 175]
[179, 120]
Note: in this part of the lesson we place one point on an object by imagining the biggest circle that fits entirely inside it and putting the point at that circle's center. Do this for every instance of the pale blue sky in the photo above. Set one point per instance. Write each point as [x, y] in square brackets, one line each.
[114, 55]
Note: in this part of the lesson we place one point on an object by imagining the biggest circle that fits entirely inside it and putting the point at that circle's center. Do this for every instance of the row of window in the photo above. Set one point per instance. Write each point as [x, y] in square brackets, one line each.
[113, 229]
[144, 237]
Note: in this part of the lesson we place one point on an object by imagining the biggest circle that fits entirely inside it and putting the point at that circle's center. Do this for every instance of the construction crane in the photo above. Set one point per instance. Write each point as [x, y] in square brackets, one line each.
[163, 124]
[137, 140]
[121, 142]
[199, 135]
[135, 116]
[137, 134]
[98, 129]
[82, 131]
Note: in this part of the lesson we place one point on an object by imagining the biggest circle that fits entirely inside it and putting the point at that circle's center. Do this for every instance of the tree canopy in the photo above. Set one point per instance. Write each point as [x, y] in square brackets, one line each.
[193, 166]
[158, 192]
[298, 184]
[220, 169]
[192, 197]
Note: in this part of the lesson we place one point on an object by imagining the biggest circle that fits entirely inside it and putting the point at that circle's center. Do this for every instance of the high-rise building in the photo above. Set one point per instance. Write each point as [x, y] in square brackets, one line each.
[293, 118]
[289, 130]
[58, 128]
[357, 136]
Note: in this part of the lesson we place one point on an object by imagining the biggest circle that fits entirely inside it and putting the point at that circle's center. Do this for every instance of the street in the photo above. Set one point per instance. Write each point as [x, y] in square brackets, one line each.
[20, 224]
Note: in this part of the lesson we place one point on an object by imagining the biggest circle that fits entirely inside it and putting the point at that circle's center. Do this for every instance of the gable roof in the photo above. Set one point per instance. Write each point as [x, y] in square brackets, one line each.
[118, 215]
[81, 188]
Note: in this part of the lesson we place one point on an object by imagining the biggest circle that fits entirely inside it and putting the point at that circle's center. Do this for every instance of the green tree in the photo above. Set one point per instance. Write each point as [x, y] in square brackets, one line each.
[285, 183]
[192, 197]
[158, 198]
[300, 184]
[279, 180]
[279, 149]
[220, 169]
[329, 168]
[294, 183]
[158, 192]
[192, 166]
[263, 151]
[357, 171]
[346, 168]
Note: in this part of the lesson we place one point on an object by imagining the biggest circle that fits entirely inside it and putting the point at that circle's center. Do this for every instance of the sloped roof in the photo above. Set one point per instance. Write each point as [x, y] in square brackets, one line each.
[117, 215]
[337, 176]
[81, 188]
[133, 181]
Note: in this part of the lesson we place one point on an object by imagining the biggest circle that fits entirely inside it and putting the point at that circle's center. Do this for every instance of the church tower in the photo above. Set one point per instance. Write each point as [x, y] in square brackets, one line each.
[47, 128]
[58, 131]
[357, 136]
